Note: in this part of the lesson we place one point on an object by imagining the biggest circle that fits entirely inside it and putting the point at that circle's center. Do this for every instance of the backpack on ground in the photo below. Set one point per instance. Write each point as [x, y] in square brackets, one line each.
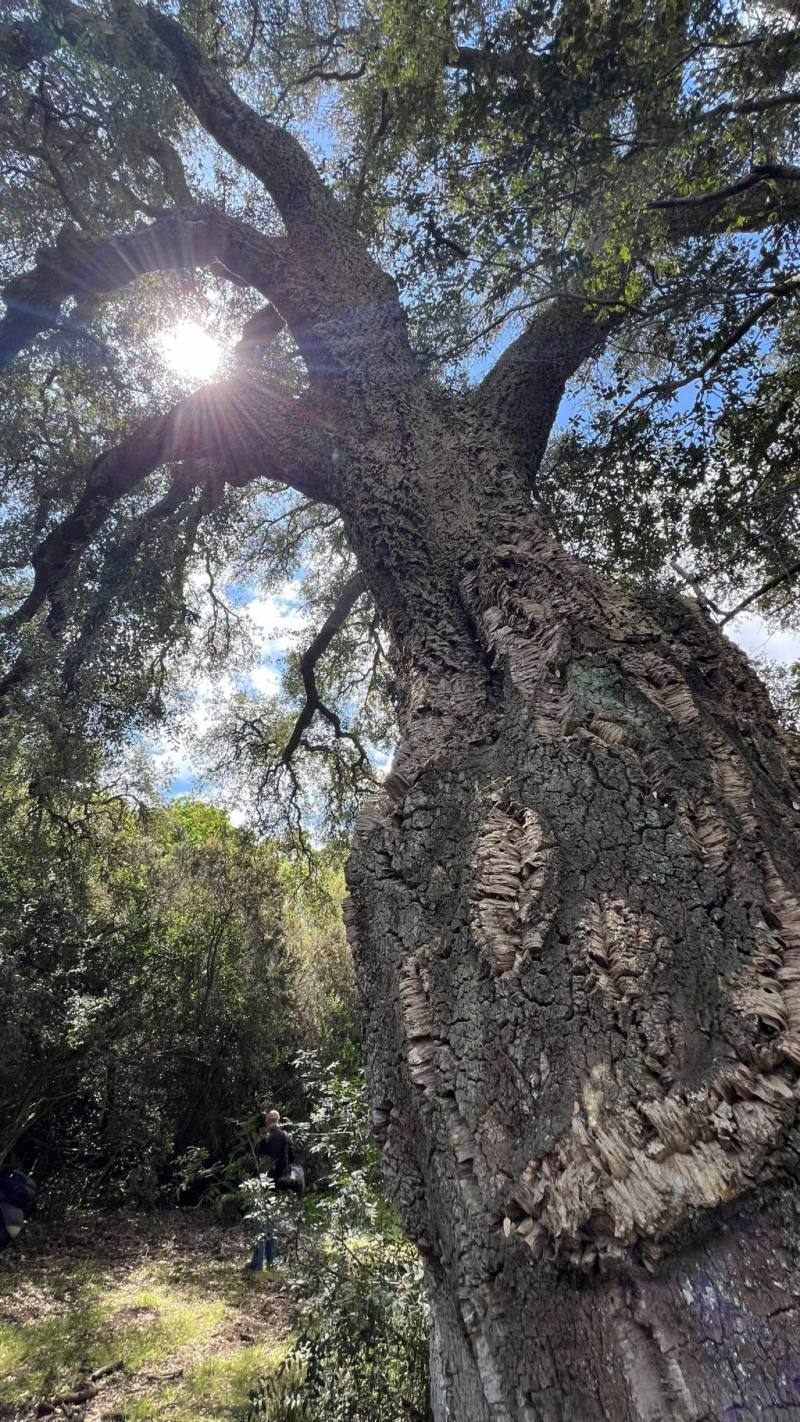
[17, 1194]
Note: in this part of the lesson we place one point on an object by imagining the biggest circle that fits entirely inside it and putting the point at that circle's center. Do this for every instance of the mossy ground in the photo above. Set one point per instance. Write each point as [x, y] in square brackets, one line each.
[123, 1318]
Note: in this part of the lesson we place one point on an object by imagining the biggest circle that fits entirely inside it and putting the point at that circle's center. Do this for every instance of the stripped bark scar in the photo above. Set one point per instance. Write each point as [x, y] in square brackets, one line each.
[421, 1035]
[555, 712]
[664, 686]
[350, 916]
[732, 783]
[424, 1056]
[632, 1173]
[619, 943]
[513, 864]
[374, 814]
[613, 733]
[770, 991]
[619, 1177]
[707, 834]
[516, 628]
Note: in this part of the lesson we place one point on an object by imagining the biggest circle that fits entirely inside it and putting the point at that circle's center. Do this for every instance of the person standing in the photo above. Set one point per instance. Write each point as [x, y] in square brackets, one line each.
[276, 1148]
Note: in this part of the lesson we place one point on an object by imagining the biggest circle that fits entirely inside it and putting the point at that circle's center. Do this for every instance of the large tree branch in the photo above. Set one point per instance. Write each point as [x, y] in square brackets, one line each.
[522, 392]
[758, 173]
[346, 601]
[79, 266]
[769, 191]
[249, 429]
[156, 40]
[758, 104]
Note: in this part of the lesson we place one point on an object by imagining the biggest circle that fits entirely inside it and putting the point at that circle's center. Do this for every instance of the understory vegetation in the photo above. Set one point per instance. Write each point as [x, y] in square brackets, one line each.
[132, 1315]
[165, 977]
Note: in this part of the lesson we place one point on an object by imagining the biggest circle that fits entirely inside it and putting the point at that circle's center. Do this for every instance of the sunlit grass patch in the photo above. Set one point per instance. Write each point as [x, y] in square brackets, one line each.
[215, 1388]
[224, 1381]
[44, 1354]
[140, 1321]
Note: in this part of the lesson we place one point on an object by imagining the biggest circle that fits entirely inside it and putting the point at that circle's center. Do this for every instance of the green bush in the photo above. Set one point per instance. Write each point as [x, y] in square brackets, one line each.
[361, 1349]
[150, 993]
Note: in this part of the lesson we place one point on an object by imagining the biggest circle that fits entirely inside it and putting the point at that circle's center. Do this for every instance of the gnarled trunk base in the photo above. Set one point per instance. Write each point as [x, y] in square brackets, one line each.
[713, 1333]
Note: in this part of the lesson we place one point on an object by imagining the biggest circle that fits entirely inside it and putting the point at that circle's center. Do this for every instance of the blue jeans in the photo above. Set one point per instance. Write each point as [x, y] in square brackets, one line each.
[265, 1251]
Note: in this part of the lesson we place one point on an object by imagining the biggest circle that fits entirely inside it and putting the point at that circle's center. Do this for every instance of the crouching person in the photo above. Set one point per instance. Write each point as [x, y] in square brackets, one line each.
[17, 1194]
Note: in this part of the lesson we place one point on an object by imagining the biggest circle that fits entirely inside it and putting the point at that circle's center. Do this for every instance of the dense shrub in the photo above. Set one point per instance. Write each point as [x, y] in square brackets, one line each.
[152, 989]
[361, 1327]
[361, 1350]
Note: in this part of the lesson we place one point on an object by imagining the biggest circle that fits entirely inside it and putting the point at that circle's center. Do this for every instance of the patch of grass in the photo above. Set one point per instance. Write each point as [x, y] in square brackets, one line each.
[45, 1354]
[152, 1320]
[217, 1385]
[139, 1322]
[216, 1388]
[193, 1333]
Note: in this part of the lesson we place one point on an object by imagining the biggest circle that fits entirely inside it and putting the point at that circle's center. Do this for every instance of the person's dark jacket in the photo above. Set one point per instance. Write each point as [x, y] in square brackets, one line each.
[17, 1194]
[277, 1147]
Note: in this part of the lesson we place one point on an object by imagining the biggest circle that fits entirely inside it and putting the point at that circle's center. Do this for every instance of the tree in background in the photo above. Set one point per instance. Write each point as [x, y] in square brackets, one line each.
[152, 993]
[574, 900]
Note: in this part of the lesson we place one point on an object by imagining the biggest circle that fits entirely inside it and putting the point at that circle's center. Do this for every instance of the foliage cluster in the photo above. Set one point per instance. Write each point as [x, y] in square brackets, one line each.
[361, 1341]
[159, 971]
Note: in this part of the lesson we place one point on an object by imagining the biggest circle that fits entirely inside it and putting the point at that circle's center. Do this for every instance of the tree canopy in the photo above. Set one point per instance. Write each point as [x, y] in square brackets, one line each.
[601, 194]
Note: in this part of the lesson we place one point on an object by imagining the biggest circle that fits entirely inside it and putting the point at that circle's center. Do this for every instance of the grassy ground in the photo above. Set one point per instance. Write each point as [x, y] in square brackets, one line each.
[127, 1317]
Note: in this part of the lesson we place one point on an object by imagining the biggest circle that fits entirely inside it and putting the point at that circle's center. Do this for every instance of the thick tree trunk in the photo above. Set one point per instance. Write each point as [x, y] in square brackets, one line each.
[576, 919]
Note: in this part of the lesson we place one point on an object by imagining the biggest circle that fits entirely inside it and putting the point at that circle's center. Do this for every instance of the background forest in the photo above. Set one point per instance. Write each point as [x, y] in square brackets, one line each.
[161, 973]
[166, 976]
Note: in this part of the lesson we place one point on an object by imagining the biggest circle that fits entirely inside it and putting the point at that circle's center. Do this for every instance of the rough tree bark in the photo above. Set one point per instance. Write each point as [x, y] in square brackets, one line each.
[576, 923]
[575, 905]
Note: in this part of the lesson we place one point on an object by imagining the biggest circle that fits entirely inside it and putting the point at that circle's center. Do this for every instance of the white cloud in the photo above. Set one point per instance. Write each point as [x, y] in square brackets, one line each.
[265, 679]
[277, 617]
[759, 639]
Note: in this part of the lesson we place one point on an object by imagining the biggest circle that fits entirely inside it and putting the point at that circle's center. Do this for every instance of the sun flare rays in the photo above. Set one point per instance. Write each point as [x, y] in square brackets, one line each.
[191, 351]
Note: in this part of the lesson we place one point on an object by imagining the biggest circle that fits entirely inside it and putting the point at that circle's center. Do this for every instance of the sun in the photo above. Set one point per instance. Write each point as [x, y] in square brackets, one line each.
[189, 350]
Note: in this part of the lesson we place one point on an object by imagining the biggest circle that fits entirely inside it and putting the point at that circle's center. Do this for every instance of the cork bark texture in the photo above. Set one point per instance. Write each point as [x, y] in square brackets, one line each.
[575, 910]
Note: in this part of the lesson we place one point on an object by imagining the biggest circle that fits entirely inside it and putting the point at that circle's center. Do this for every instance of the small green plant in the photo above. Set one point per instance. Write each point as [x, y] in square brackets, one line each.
[282, 1397]
[362, 1324]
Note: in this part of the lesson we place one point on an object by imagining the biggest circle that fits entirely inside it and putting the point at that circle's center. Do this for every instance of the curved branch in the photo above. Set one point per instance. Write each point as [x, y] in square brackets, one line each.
[784, 577]
[750, 204]
[663, 390]
[169, 161]
[80, 266]
[753, 105]
[250, 429]
[781, 172]
[156, 40]
[522, 392]
[346, 601]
